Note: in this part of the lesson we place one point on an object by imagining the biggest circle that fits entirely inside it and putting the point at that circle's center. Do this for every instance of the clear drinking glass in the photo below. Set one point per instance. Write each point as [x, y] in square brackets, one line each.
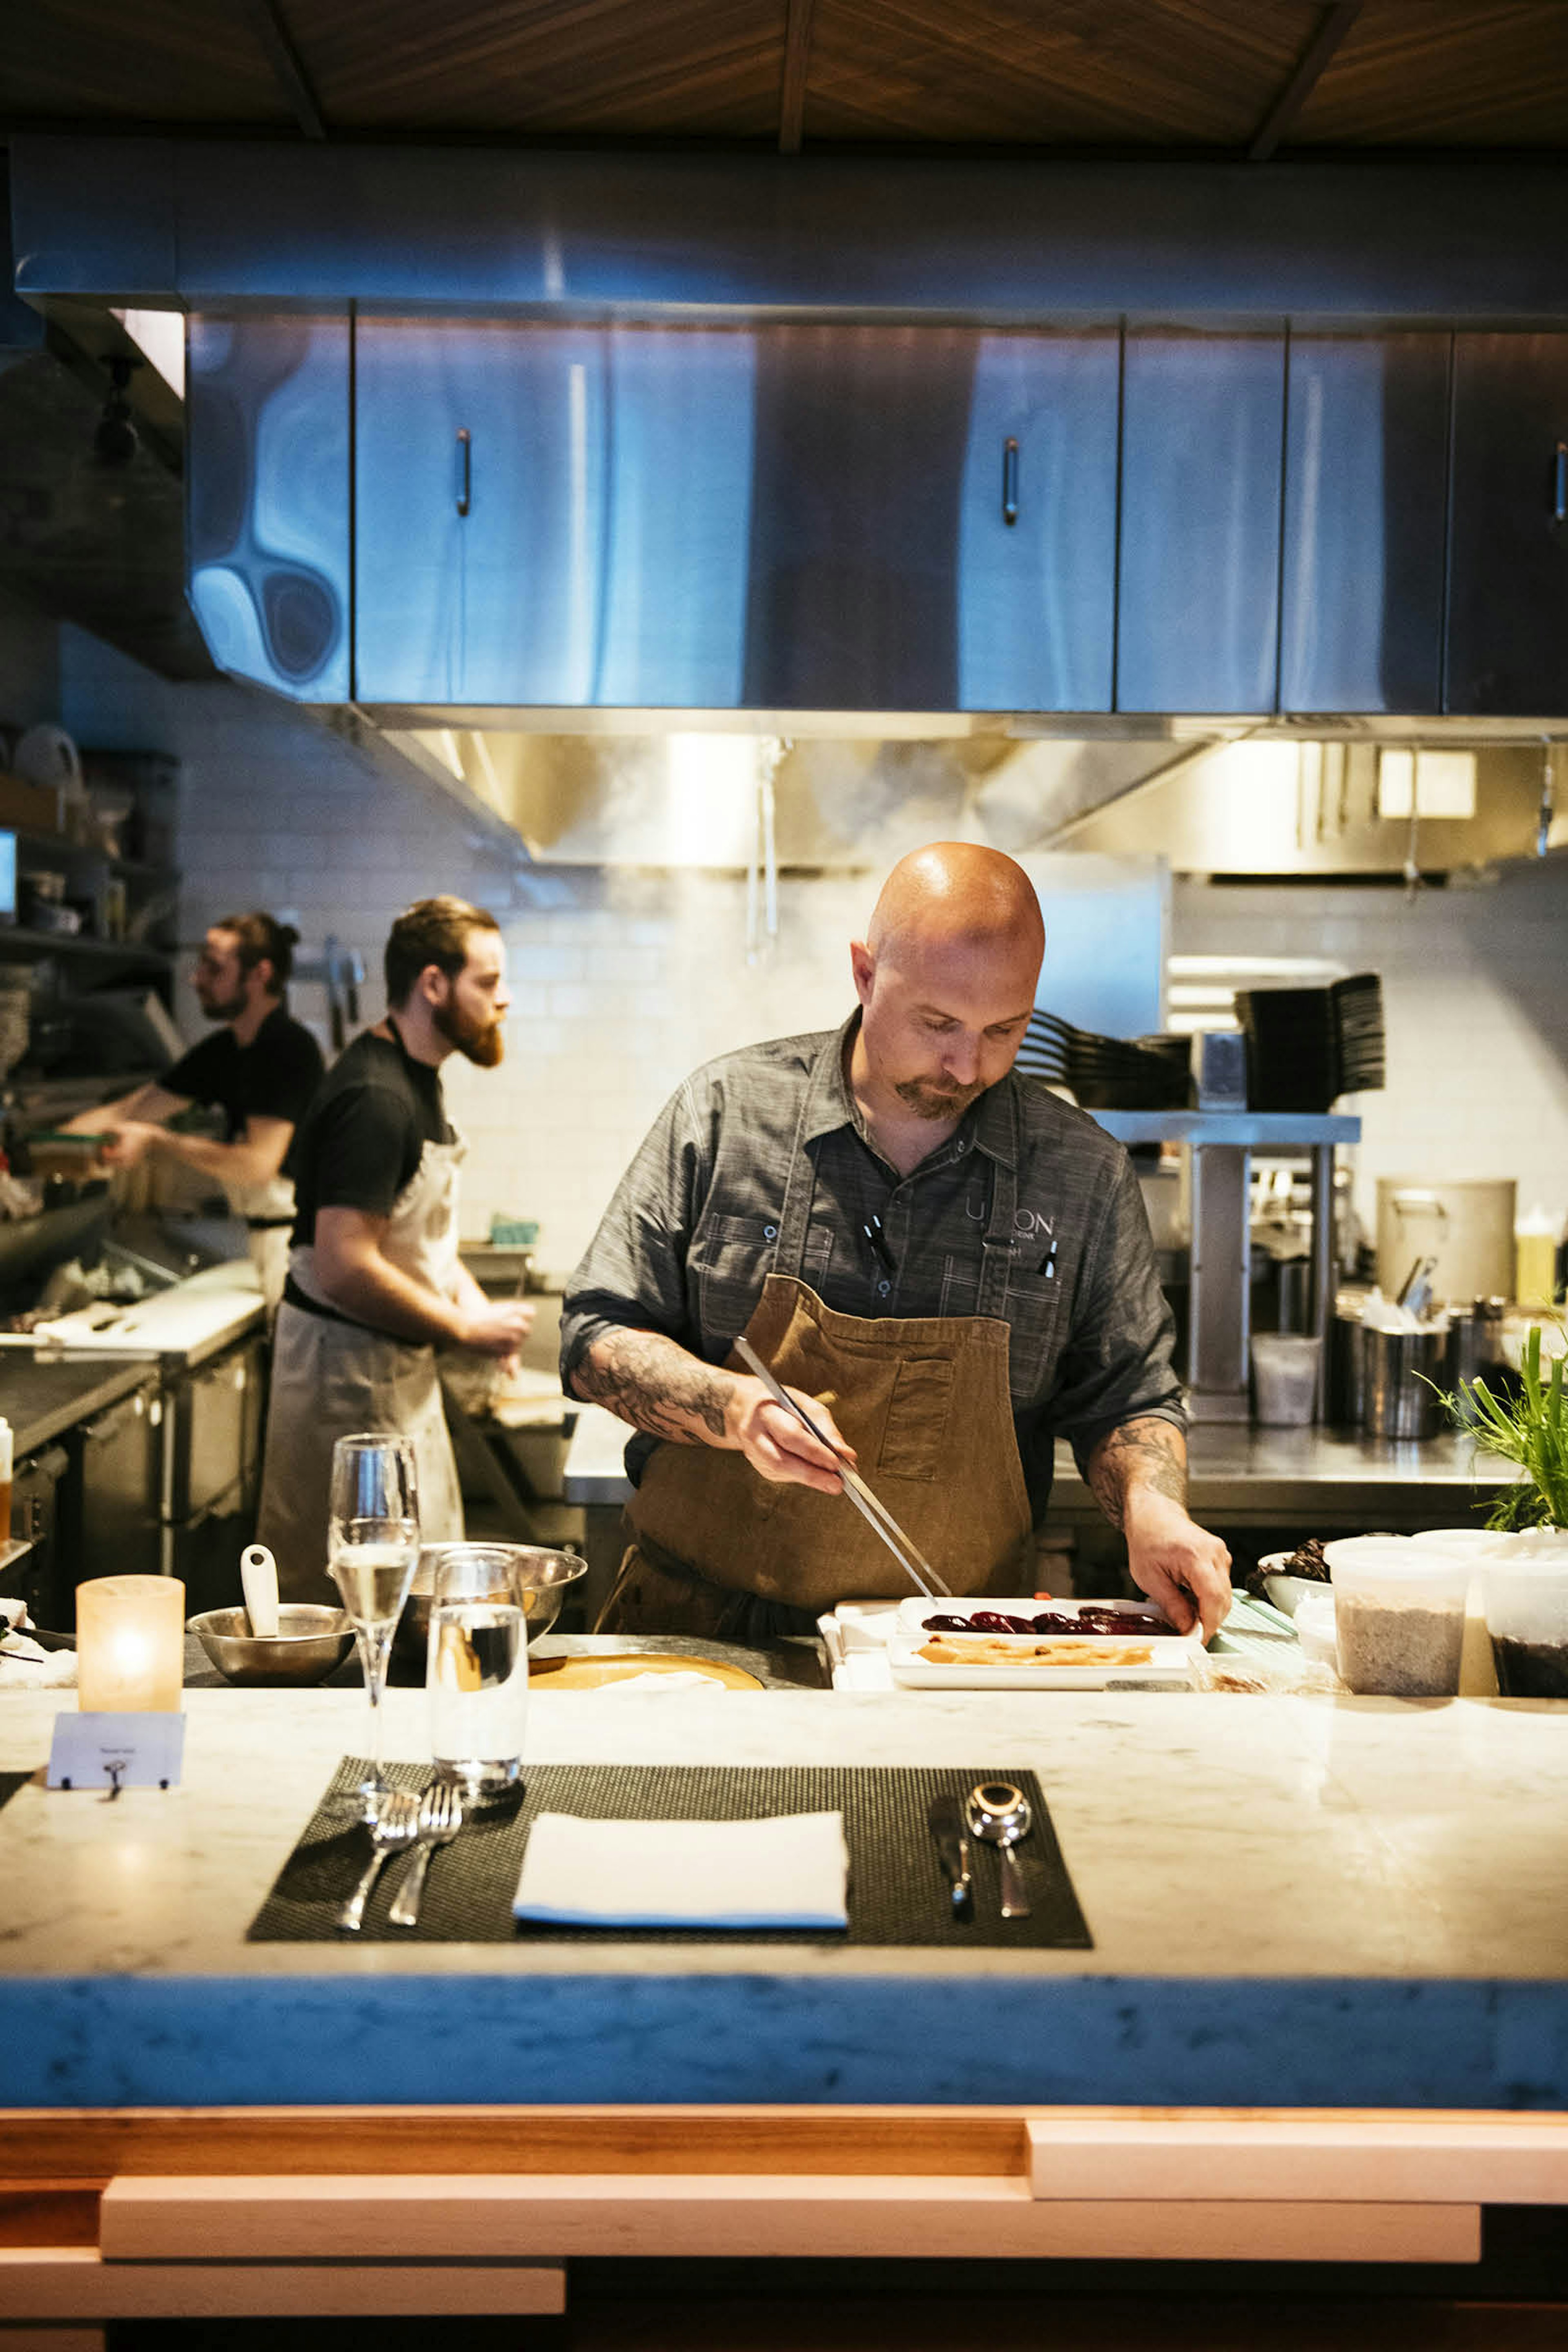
[476, 1675]
[372, 1544]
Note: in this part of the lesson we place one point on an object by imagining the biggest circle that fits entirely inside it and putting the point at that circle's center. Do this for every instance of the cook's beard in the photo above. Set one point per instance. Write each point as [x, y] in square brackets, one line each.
[224, 1008]
[928, 1102]
[482, 1042]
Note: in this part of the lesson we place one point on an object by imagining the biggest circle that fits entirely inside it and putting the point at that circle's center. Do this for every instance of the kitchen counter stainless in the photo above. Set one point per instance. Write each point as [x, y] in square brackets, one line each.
[1257, 1475]
[187, 1324]
[1249, 1476]
[1293, 1901]
[43, 1393]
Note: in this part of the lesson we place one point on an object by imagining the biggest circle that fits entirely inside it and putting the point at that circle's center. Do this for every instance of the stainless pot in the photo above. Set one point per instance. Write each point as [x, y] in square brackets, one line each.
[1399, 1367]
[542, 1578]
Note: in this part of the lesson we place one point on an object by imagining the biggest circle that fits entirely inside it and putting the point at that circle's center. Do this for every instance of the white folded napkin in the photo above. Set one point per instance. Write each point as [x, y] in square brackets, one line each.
[788, 1871]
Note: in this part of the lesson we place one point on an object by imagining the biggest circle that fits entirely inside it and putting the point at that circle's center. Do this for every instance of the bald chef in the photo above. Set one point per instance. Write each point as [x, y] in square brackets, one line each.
[947, 1264]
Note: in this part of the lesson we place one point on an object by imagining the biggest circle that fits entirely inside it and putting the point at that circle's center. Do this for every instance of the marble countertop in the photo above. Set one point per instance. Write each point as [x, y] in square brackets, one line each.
[1307, 1900]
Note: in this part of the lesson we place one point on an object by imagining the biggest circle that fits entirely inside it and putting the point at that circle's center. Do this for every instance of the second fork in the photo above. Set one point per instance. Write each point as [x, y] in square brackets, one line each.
[440, 1819]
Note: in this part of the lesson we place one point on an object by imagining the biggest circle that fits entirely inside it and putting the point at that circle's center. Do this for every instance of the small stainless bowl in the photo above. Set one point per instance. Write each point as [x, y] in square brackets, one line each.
[311, 1639]
[542, 1578]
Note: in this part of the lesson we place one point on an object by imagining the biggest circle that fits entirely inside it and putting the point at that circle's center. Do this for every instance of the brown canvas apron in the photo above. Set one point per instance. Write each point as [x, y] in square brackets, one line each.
[925, 1402]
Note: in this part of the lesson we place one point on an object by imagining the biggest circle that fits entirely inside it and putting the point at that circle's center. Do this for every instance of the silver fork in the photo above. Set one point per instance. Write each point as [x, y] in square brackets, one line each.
[396, 1826]
[440, 1819]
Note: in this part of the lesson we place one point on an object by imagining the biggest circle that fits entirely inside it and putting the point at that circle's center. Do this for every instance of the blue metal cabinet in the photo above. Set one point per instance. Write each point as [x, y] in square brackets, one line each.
[479, 485]
[1366, 485]
[552, 515]
[1036, 524]
[1197, 620]
[932, 520]
[1507, 607]
[267, 525]
[679, 450]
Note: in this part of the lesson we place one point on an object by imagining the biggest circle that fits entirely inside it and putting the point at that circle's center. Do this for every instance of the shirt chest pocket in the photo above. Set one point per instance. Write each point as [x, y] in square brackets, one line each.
[734, 1256]
[1032, 1312]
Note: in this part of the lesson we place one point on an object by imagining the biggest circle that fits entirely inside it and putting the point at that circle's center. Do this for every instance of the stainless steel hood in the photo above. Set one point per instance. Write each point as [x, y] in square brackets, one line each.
[688, 795]
[1260, 801]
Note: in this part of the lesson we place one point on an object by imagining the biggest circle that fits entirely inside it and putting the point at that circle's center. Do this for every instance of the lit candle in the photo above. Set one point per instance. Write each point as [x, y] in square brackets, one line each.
[130, 1644]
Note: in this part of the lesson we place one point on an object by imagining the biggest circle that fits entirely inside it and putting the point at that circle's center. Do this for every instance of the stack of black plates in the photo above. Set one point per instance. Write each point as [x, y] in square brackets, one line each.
[1107, 1073]
[1358, 1032]
[1306, 1046]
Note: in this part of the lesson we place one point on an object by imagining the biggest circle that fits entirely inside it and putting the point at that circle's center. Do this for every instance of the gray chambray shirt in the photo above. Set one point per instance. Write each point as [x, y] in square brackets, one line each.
[688, 1238]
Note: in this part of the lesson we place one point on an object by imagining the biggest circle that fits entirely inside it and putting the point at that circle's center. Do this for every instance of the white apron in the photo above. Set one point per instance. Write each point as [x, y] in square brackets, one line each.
[266, 1211]
[330, 1378]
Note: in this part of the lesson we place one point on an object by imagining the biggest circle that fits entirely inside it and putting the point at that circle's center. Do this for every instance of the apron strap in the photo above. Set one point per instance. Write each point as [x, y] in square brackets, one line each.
[1001, 1239]
[800, 1184]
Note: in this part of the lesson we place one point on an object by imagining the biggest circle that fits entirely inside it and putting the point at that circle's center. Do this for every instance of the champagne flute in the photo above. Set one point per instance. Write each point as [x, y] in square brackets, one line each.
[373, 1545]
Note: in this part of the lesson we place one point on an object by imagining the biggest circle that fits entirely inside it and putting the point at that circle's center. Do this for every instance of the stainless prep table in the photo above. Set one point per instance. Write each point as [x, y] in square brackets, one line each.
[1330, 1481]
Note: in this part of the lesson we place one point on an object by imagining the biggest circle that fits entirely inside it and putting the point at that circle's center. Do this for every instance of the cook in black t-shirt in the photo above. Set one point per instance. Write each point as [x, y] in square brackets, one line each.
[273, 1077]
[368, 1125]
[259, 1070]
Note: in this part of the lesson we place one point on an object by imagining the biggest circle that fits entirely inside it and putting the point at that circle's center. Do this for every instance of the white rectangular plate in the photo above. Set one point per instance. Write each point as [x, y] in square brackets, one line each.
[1171, 1658]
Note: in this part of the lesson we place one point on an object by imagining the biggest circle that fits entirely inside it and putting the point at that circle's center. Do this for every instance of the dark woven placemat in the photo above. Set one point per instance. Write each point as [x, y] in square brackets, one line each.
[9, 1784]
[898, 1890]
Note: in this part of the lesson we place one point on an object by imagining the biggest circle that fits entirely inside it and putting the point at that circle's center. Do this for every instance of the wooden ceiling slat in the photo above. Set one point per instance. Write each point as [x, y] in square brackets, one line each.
[1316, 58]
[1461, 74]
[796, 75]
[265, 21]
[550, 66]
[1161, 74]
[1165, 71]
[160, 60]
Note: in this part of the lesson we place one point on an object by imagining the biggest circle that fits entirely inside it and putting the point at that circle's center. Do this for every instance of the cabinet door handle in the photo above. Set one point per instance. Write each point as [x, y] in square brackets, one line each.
[465, 468]
[1560, 484]
[1009, 482]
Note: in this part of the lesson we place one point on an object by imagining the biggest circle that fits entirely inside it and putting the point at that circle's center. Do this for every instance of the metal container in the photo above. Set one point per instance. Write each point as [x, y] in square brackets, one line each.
[311, 1640]
[542, 1578]
[1400, 1366]
[1467, 1226]
[1345, 1407]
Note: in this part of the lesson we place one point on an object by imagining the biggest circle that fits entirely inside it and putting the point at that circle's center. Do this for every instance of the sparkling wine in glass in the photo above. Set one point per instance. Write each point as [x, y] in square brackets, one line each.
[373, 1545]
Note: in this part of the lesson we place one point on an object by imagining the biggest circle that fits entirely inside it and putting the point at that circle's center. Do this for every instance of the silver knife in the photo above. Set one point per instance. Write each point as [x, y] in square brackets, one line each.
[947, 1826]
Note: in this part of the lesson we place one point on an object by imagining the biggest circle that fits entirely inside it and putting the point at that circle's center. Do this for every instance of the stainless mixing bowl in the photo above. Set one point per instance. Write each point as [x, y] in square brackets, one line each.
[542, 1577]
[311, 1641]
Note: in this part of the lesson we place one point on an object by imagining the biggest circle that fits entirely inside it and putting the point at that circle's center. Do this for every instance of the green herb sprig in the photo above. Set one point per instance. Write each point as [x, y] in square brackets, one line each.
[1531, 1429]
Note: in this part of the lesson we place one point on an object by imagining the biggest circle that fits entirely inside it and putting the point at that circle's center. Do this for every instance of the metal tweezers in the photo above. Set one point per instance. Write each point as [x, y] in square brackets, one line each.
[915, 1566]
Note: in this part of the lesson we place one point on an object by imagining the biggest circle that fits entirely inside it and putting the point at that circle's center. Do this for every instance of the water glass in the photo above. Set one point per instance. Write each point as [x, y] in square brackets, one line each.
[373, 1546]
[476, 1675]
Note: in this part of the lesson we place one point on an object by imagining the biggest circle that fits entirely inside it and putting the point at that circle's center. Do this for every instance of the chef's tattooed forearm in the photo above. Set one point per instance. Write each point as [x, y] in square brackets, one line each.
[655, 1385]
[1149, 1453]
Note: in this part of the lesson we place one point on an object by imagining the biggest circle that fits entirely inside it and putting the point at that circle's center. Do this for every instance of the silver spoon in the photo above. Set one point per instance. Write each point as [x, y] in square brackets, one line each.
[999, 1814]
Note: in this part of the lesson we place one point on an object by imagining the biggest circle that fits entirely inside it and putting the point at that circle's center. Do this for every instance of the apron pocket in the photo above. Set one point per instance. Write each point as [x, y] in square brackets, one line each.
[916, 1427]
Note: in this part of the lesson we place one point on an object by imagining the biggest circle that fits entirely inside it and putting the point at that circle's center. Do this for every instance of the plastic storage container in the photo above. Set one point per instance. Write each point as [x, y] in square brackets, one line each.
[1527, 1619]
[1399, 1618]
[1285, 1377]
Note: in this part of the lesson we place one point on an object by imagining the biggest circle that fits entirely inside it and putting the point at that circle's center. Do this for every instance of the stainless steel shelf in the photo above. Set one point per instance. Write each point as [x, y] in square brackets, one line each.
[1254, 1130]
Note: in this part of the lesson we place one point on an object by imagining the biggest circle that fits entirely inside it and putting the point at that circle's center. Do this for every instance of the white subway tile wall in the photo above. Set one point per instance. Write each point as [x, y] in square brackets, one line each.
[1475, 983]
[624, 982]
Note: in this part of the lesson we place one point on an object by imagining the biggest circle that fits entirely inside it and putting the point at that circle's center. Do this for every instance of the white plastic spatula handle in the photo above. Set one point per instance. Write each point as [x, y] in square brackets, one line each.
[258, 1575]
